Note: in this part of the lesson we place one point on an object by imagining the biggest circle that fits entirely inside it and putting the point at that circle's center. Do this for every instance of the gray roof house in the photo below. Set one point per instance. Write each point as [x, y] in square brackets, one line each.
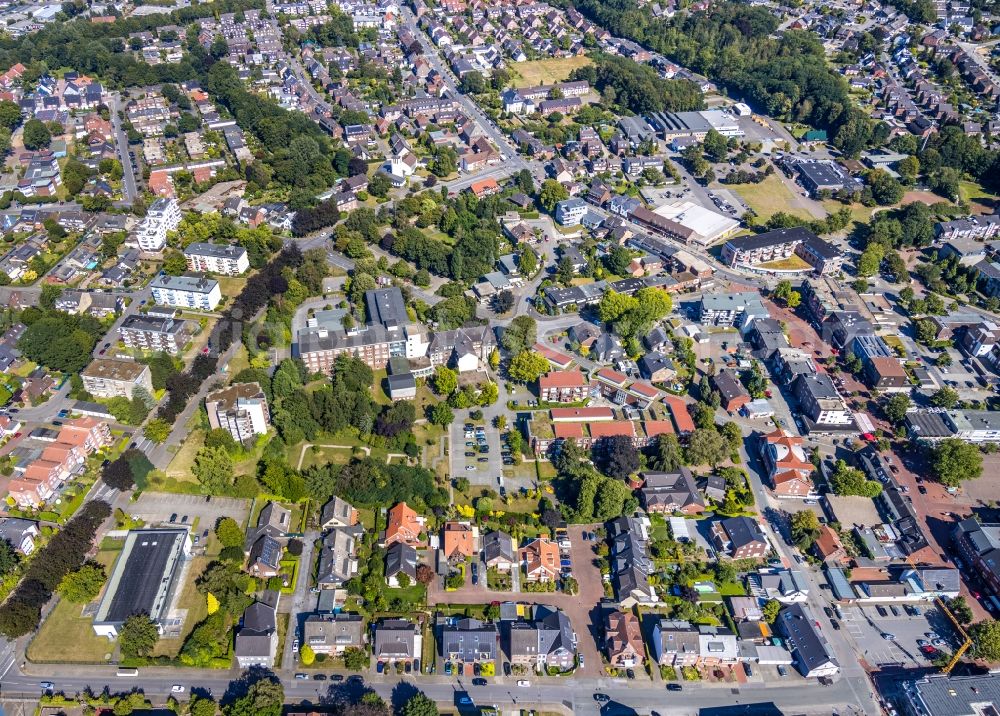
[257, 637]
[397, 640]
[499, 551]
[265, 557]
[810, 650]
[549, 640]
[327, 634]
[338, 513]
[338, 558]
[273, 521]
[469, 641]
[665, 492]
[673, 642]
[400, 558]
[20, 533]
[607, 349]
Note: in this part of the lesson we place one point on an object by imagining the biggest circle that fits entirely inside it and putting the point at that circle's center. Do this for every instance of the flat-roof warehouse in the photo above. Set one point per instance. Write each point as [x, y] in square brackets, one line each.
[143, 580]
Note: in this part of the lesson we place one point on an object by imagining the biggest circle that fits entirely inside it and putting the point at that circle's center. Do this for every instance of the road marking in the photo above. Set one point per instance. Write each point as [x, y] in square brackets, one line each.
[10, 663]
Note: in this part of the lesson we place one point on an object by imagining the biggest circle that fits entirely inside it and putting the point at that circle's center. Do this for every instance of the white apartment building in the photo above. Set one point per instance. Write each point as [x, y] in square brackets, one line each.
[111, 378]
[163, 216]
[215, 258]
[240, 409]
[155, 333]
[187, 291]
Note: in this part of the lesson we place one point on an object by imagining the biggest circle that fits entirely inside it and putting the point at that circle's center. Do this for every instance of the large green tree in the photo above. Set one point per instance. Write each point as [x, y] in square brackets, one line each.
[954, 460]
[526, 367]
[138, 636]
[84, 584]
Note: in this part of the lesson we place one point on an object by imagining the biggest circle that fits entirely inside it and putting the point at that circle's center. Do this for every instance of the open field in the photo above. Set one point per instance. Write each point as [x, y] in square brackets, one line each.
[68, 636]
[541, 72]
[860, 213]
[769, 197]
[925, 197]
[973, 193]
[231, 285]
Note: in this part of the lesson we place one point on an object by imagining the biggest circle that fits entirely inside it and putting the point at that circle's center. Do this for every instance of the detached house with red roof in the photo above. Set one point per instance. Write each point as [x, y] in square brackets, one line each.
[540, 559]
[459, 541]
[786, 463]
[404, 526]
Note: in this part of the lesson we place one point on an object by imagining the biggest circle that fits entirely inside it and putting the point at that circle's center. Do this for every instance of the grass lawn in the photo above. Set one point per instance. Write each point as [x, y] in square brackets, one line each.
[240, 361]
[415, 594]
[68, 636]
[769, 197]
[322, 456]
[792, 263]
[231, 285]
[25, 369]
[538, 72]
[282, 631]
[971, 191]
[860, 213]
[378, 392]
[545, 470]
[180, 467]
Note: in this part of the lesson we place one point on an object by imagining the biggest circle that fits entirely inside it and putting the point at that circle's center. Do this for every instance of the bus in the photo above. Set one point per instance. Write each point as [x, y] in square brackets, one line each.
[122, 671]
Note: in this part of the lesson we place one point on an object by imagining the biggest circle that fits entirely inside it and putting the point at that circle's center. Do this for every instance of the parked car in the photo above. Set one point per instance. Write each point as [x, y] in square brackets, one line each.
[302, 676]
[523, 682]
[782, 671]
[674, 687]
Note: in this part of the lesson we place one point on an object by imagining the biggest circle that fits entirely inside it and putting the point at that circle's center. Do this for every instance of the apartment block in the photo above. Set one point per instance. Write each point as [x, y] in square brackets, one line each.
[186, 291]
[155, 333]
[110, 378]
[240, 409]
[216, 258]
[151, 234]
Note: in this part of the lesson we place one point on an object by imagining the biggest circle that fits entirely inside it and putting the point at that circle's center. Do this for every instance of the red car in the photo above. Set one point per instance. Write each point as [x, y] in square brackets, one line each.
[17, 435]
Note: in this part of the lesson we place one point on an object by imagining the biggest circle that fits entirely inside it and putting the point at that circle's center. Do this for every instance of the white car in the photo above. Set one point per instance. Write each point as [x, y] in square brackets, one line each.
[523, 682]
[177, 689]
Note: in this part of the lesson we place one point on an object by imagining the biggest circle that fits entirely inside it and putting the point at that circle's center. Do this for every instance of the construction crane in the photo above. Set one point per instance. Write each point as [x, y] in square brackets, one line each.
[966, 641]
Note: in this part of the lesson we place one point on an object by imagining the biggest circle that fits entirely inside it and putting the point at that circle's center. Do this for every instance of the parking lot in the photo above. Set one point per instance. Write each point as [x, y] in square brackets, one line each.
[866, 625]
[188, 510]
[479, 467]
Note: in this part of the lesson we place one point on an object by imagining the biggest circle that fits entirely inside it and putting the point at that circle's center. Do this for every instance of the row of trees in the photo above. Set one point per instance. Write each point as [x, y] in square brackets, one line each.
[270, 282]
[65, 553]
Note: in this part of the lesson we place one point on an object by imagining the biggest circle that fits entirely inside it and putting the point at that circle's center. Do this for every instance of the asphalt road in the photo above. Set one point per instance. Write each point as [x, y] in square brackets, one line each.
[121, 144]
[576, 695]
